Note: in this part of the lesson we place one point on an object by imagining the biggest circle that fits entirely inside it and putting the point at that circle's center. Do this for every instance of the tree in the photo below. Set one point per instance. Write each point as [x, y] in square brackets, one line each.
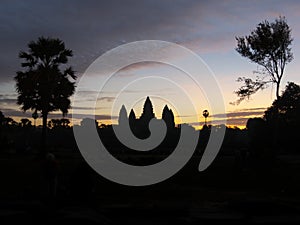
[269, 47]
[54, 123]
[65, 123]
[59, 123]
[25, 122]
[8, 121]
[86, 122]
[287, 107]
[35, 115]
[258, 140]
[1, 118]
[43, 86]
[283, 117]
[205, 114]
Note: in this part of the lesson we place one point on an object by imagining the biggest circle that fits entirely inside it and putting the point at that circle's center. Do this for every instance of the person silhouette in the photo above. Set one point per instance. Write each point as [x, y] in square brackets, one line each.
[51, 172]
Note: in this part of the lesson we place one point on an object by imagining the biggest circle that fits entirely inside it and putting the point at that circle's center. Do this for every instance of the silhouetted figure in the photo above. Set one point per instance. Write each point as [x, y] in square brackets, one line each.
[1, 125]
[51, 173]
[2, 119]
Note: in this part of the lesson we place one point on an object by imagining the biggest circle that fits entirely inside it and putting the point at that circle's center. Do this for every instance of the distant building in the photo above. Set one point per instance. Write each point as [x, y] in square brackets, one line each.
[139, 126]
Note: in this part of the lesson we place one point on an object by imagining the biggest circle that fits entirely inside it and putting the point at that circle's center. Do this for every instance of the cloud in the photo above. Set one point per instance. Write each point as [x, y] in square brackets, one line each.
[92, 27]
[87, 27]
[229, 122]
[238, 118]
[87, 108]
[7, 96]
[7, 101]
[254, 109]
[15, 113]
[97, 117]
[107, 99]
[246, 113]
[54, 115]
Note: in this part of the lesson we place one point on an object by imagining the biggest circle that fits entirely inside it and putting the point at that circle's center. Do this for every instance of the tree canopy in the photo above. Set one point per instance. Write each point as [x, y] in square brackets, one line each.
[269, 47]
[44, 85]
[287, 107]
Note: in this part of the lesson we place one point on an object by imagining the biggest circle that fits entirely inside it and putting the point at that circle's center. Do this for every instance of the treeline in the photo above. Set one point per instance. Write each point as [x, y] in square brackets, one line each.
[276, 132]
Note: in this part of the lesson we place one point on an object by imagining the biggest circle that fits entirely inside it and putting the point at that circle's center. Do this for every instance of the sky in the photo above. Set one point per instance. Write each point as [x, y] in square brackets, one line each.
[91, 28]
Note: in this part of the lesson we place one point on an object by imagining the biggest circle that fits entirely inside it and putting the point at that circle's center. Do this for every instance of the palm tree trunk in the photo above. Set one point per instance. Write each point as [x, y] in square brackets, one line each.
[44, 134]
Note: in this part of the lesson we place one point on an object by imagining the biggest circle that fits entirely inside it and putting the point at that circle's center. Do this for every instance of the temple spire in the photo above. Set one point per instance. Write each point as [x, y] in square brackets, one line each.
[148, 113]
[168, 117]
[123, 115]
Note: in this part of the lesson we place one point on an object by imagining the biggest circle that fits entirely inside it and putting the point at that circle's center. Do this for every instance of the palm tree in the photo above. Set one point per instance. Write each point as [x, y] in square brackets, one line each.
[35, 115]
[205, 114]
[43, 86]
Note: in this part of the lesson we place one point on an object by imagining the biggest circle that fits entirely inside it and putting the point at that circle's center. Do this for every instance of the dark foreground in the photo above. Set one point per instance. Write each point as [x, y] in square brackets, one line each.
[256, 192]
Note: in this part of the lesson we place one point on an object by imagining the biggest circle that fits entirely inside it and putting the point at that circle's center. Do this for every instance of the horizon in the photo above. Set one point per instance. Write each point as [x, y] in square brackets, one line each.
[208, 29]
[158, 115]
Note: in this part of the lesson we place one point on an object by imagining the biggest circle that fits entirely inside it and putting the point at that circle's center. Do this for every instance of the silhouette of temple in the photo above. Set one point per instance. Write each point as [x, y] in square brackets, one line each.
[139, 126]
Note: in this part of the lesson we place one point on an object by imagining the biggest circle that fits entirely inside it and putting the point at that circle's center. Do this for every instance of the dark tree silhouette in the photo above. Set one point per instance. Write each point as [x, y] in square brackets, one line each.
[59, 123]
[1, 118]
[283, 117]
[43, 86]
[35, 115]
[88, 122]
[287, 107]
[65, 123]
[269, 47]
[205, 114]
[8, 121]
[25, 122]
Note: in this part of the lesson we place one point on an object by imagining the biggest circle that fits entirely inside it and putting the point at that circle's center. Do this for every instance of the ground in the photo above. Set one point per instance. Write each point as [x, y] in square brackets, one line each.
[225, 193]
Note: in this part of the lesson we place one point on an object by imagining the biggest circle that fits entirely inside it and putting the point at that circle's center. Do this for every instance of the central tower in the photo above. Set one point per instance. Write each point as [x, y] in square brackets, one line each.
[148, 113]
